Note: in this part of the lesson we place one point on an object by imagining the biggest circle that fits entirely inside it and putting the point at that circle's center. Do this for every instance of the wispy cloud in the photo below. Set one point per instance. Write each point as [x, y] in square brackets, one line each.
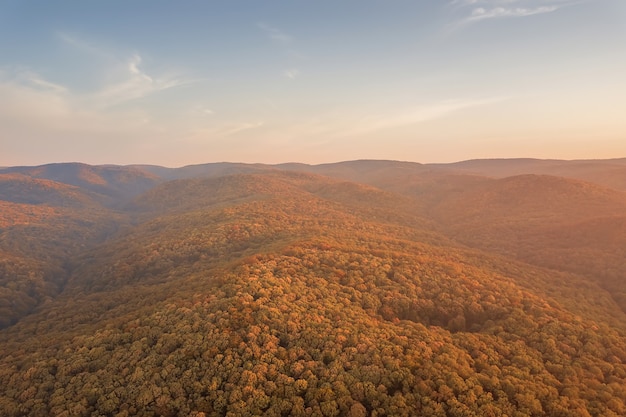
[60, 117]
[275, 34]
[285, 41]
[472, 11]
[85, 47]
[291, 73]
[133, 67]
[481, 13]
[339, 126]
[27, 98]
[413, 115]
[124, 78]
[221, 130]
[239, 128]
[30, 78]
[135, 83]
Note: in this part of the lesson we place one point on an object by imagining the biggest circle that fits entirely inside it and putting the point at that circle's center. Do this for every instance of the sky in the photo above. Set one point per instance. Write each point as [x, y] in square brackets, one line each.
[189, 82]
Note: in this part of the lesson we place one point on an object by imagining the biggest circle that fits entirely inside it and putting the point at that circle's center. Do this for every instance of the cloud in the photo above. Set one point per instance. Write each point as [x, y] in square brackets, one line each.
[133, 67]
[291, 73]
[123, 75]
[134, 83]
[85, 47]
[354, 124]
[481, 13]
[275, 34]
[34, 80]
[231, 130]
[410, 116]
[26, 98]
[472, 11]
[30, 102]
[462, 3]
[220, 130]
[284, 39]
[46, 114]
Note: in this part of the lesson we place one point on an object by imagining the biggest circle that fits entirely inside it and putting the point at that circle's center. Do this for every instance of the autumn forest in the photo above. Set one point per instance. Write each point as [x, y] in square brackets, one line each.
[362, 288]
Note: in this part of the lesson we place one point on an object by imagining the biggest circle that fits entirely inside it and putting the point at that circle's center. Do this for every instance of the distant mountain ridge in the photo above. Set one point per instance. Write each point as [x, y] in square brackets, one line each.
[112, 179]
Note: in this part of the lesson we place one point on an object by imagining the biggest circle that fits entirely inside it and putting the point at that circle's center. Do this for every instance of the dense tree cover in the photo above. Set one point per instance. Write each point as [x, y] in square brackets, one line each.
[291, 298]
[554, 222]
[18, 188]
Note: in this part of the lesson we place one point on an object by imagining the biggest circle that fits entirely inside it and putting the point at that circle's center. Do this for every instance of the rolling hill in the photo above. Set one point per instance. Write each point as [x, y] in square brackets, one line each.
[549, 221]
[360, 288]
[109, 182]
[610, 173]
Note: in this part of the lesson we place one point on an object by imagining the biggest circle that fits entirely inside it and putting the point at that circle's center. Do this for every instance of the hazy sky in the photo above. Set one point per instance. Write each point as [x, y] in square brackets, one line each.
[176, 83]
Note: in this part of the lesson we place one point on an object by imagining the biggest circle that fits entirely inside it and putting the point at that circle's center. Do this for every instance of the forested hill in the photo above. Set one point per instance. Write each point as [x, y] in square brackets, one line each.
[362, 288]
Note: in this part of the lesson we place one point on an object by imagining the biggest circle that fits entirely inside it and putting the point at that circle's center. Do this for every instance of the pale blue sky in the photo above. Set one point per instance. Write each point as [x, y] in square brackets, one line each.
[176, 83]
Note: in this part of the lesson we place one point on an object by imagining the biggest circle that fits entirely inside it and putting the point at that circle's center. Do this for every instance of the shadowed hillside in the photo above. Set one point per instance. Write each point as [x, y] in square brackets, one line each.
[111, 182]
[19, 188]
[43, 225]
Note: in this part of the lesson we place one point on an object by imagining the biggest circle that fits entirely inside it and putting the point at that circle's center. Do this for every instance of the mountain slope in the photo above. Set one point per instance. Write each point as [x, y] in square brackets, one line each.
[19, 188]
[565, 224]
[110, 182]
[43, 224]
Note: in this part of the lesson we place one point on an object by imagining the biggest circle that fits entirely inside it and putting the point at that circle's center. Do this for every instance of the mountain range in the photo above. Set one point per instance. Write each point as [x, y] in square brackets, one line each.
[359, 288]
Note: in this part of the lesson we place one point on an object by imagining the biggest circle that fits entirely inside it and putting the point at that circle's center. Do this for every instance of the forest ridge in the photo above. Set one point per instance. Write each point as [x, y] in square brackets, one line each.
[360, 288]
